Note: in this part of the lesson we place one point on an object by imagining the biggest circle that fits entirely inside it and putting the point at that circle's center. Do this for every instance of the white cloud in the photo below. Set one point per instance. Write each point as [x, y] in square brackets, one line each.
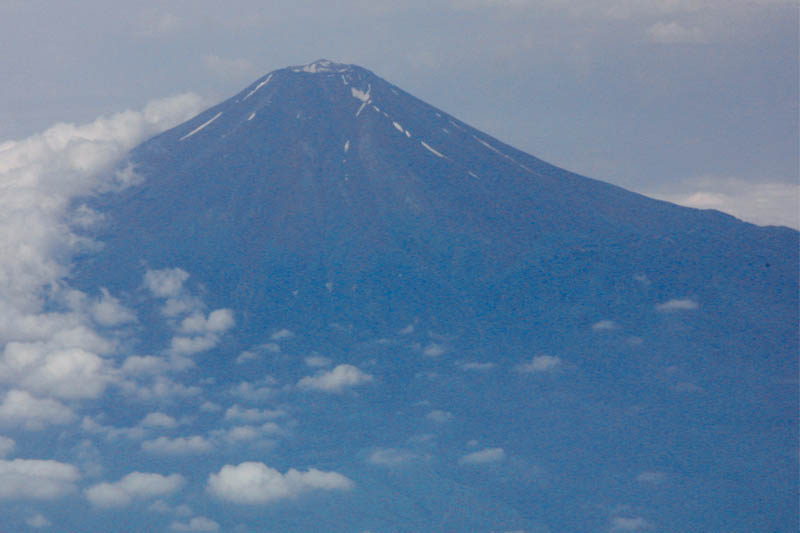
[7, 445]
[36, 479]
[108, 311]
[621, 523]
[217, 321]
[137, 365]
[317, 361]
[255, 391]
[134, 486]
[390, 457]
[540, 363]
[337, 380]
[682, 304]
[226, 67]
[759, 202]
[160, 506]
[488, 455]
[281, 334]
[178, 445]
[88, 424]
[440, 417]
[192, 345]
[165, 283]
[198, 523]
[239, 434]
[675, 33]
[257, 483]
[604, 325]
[434, 350]
[19, 408]
[158, 420]
[38, 521]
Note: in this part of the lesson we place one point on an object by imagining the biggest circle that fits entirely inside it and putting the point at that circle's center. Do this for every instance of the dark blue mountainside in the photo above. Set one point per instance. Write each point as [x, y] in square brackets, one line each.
[548, 352]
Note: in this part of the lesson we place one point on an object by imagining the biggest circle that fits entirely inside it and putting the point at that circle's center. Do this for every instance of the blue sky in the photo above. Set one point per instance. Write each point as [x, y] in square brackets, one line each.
[695, 102]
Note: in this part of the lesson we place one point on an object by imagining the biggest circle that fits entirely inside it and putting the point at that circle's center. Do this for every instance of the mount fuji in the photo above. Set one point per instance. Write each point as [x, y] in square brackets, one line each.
[338, 308]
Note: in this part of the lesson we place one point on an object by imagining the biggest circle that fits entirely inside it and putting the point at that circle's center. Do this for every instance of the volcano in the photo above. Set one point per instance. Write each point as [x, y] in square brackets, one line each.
[470, 338]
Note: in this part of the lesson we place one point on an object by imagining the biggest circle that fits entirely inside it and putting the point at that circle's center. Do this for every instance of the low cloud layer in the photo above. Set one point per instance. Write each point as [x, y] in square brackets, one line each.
[134, 486]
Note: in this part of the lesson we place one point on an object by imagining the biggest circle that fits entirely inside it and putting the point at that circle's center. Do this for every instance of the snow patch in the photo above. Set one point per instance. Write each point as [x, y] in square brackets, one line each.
[257, 87]
[252, 116]
[493, 149]
[347, 146]
[398, 127]
[471, 173]
[201, 126]
[322, 65]
[358, 94]
[433, 151]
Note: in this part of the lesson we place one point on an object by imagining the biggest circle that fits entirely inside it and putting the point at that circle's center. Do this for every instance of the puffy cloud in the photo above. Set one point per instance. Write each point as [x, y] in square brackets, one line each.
[763, 202]
[622, 523]
[540, 363]
[38, 521]
[488, 455]
[337, 380]
[7, 445]
[177, 446]
[192, 345]
[36, 479]
[19, 408]
[108, 311]
[390, 457]
[434, 350]
[317, 361]
[281, 334]
[239, 434]
[255, 391]
[90, 425]
[134, 486]
[165, 283]
[198, 523]
[604, 325]
[683, 304]
[160, 506]
[440, 417]
[137, 365]
[257, 483]
[217, 321]
[158, 420]
[42, 368]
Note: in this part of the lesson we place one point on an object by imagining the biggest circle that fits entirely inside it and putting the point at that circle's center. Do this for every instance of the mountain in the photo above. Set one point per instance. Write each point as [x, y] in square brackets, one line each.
[450, 334]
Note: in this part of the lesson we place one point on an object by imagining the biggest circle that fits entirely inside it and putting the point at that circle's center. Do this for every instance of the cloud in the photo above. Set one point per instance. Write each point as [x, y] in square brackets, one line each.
[218, 321]
[476, 366]
[604, 325]
[337, 380]
[36, 479]
[7, 445]
[158, 420]
[19, 408]
[108, 311]
[440, 417]
[38, 521]
[683, 304]
[675, 33]
[759, 202]
[621, 523]
[390, 457]
[165, 283]
[198, 523]
[252, 415]
[317, 361]
[134, 486]
[160, 506]
[434, 350]
[488, 455]
[228, 67]
[239, 434]
[255, 391]
[256, 483]
[281, 334]
[178, 445]
[539, 364]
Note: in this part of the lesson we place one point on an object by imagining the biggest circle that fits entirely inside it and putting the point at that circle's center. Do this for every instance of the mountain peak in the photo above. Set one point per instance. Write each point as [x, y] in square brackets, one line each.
[322, 65]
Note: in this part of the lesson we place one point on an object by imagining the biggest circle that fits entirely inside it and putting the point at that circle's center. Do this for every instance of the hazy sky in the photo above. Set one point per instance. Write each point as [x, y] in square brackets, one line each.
[693, 101]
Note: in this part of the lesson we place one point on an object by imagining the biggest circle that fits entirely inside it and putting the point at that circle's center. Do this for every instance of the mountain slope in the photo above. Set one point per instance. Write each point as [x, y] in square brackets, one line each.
[540, 348]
